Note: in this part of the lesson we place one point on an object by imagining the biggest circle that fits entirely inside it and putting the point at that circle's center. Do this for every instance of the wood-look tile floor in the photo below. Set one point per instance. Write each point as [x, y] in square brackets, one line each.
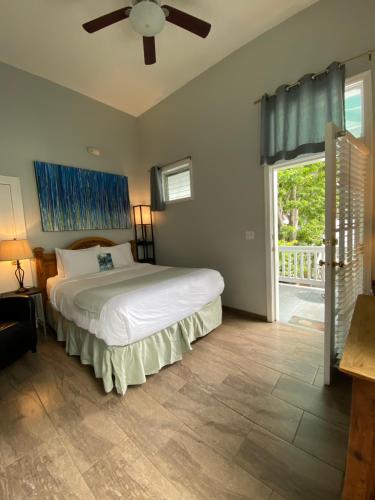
[244, 415]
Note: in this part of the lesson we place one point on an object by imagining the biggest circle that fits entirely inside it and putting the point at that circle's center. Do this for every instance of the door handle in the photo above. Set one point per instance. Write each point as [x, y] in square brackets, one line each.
[340, 264]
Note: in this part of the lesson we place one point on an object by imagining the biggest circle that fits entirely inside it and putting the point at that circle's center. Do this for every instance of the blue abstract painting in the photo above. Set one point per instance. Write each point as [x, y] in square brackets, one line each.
[76, 199]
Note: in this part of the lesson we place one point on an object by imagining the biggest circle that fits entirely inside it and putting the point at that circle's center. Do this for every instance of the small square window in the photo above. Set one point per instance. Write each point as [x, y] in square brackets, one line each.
[177, 181]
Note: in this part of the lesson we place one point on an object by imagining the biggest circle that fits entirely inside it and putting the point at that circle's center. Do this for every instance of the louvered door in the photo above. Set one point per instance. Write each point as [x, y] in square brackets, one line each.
[346, 177]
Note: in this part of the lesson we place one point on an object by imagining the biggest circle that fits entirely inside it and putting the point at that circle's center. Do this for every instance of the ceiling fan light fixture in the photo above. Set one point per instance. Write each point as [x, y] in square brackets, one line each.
[147, 18]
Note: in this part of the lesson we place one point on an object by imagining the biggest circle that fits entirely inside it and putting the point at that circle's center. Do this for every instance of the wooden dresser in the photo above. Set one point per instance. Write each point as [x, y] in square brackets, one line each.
[359, 361]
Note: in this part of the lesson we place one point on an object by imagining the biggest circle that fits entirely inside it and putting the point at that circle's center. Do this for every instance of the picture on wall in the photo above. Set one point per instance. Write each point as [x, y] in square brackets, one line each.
[76, 199]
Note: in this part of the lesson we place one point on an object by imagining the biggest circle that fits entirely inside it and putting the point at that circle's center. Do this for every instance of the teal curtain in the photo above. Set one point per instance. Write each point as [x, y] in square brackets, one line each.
[293, 120]
[156, 187]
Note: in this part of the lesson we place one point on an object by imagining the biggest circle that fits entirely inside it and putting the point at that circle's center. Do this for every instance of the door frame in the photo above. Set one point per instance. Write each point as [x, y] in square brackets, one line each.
[271, 230]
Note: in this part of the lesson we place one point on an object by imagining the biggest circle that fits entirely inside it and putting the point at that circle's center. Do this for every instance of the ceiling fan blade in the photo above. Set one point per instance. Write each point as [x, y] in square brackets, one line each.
[187, 22]
[149, 49]
[106, 20]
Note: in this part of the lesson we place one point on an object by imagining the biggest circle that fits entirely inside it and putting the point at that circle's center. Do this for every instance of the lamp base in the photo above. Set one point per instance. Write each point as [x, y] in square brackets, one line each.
[20, 273]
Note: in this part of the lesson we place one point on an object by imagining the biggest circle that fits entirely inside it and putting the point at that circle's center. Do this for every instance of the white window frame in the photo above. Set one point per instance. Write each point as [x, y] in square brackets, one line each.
[180, 165]
[366, 81]
[355, 82]
[367, 138]
[270, 186]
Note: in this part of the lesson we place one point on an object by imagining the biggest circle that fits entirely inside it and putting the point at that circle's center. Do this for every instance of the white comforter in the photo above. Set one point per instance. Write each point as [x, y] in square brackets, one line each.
[132, 316]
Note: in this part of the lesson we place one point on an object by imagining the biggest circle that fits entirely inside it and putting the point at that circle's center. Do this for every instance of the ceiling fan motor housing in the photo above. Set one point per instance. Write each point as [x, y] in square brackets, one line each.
[147, 17]
[134, 2]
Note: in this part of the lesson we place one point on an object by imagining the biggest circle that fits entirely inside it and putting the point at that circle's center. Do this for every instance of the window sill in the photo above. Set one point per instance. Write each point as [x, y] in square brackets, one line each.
[172, 202]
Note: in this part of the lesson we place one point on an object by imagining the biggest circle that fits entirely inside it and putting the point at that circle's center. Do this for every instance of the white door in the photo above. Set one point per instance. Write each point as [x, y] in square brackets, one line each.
[347, 163]
[12, 225]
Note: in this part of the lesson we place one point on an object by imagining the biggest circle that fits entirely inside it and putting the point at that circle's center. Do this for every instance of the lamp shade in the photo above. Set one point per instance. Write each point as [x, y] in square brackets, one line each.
[15, 250]
[142, 214]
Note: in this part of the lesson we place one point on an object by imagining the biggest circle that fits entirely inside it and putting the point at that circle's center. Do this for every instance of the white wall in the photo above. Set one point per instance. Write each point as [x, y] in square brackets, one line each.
[43, 121]
[214, 120]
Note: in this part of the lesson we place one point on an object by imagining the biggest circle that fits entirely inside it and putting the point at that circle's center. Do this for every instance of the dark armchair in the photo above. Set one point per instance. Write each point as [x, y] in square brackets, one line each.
[17, 328]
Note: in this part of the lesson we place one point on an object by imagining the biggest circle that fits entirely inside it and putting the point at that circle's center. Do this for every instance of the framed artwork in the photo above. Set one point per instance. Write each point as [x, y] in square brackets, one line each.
[76, 199]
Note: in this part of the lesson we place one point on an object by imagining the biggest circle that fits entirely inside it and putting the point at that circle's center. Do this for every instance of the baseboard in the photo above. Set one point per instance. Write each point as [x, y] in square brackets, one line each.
[246, 314]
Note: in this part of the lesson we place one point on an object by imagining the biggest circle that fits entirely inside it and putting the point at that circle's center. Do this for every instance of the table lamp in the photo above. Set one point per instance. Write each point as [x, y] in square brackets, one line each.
[16, 250]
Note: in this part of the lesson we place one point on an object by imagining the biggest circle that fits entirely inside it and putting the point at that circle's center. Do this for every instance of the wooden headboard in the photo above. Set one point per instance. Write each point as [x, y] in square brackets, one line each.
[46, 266]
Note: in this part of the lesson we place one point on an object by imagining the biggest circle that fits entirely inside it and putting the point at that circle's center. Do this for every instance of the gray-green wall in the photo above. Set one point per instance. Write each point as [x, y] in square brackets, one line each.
[43, 121]
[214, 120]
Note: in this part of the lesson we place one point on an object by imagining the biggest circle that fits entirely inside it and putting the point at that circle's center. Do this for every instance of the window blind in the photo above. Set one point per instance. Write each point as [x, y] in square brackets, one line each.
[177, 185]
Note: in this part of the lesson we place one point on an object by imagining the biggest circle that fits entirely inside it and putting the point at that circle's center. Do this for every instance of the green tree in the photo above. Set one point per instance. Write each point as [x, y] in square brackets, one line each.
[301, 207]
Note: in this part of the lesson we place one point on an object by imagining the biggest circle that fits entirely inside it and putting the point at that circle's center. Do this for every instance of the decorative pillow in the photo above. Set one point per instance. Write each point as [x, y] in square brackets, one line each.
[121, 254]
[78, 262]
[105, 262]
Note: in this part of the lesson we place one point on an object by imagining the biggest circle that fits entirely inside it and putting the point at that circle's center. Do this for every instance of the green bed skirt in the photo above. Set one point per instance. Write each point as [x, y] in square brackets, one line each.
[129, 365]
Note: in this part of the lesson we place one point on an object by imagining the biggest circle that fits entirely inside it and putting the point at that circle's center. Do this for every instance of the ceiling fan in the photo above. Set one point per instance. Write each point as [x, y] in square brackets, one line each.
[148, 18]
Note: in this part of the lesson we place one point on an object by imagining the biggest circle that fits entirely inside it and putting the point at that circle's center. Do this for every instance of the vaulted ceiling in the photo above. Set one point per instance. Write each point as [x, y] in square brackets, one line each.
[45, 37]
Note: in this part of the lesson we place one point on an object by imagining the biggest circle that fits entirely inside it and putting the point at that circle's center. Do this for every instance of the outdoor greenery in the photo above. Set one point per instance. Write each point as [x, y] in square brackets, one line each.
[301, 205]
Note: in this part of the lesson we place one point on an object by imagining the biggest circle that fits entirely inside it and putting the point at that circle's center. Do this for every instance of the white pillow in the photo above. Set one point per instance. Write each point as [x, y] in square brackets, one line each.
[121, 254]
[77, 262]
[60, 269]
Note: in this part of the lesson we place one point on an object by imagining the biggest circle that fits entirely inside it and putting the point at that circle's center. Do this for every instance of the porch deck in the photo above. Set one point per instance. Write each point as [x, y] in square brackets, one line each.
[302, 306]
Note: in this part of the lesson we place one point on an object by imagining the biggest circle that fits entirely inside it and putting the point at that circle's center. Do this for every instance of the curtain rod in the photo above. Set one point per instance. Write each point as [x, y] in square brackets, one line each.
[172, 162]
[315, 75]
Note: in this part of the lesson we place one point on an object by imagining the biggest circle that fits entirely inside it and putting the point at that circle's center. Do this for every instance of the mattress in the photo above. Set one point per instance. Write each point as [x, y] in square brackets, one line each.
[133, 312]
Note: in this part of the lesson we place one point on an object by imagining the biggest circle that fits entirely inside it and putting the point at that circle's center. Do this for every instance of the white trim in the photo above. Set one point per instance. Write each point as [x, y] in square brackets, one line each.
[275, 230]
[170, 167]
[330, 250]
[270, 238]
[300, 161]
[271, 230]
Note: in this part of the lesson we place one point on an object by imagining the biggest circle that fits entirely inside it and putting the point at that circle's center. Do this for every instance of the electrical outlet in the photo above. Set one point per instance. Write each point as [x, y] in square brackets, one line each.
[249, 235]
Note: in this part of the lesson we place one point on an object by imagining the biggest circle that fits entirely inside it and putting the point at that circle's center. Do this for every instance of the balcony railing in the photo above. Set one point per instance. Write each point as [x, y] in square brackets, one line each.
[300, 265]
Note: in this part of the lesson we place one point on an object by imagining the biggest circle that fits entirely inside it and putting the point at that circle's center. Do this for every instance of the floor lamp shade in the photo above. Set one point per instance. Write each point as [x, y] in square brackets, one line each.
[142, 214]
[144, 234]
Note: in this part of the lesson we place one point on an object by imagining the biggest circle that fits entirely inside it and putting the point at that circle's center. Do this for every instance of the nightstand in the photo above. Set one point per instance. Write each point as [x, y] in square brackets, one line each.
[37, 295]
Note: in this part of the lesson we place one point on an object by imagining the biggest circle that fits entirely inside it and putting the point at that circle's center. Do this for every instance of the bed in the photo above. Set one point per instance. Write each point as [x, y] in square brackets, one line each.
[132, 319]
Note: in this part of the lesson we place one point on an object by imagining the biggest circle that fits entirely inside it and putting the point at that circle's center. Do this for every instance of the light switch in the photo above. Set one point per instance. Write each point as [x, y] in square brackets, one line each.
[249, 235]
